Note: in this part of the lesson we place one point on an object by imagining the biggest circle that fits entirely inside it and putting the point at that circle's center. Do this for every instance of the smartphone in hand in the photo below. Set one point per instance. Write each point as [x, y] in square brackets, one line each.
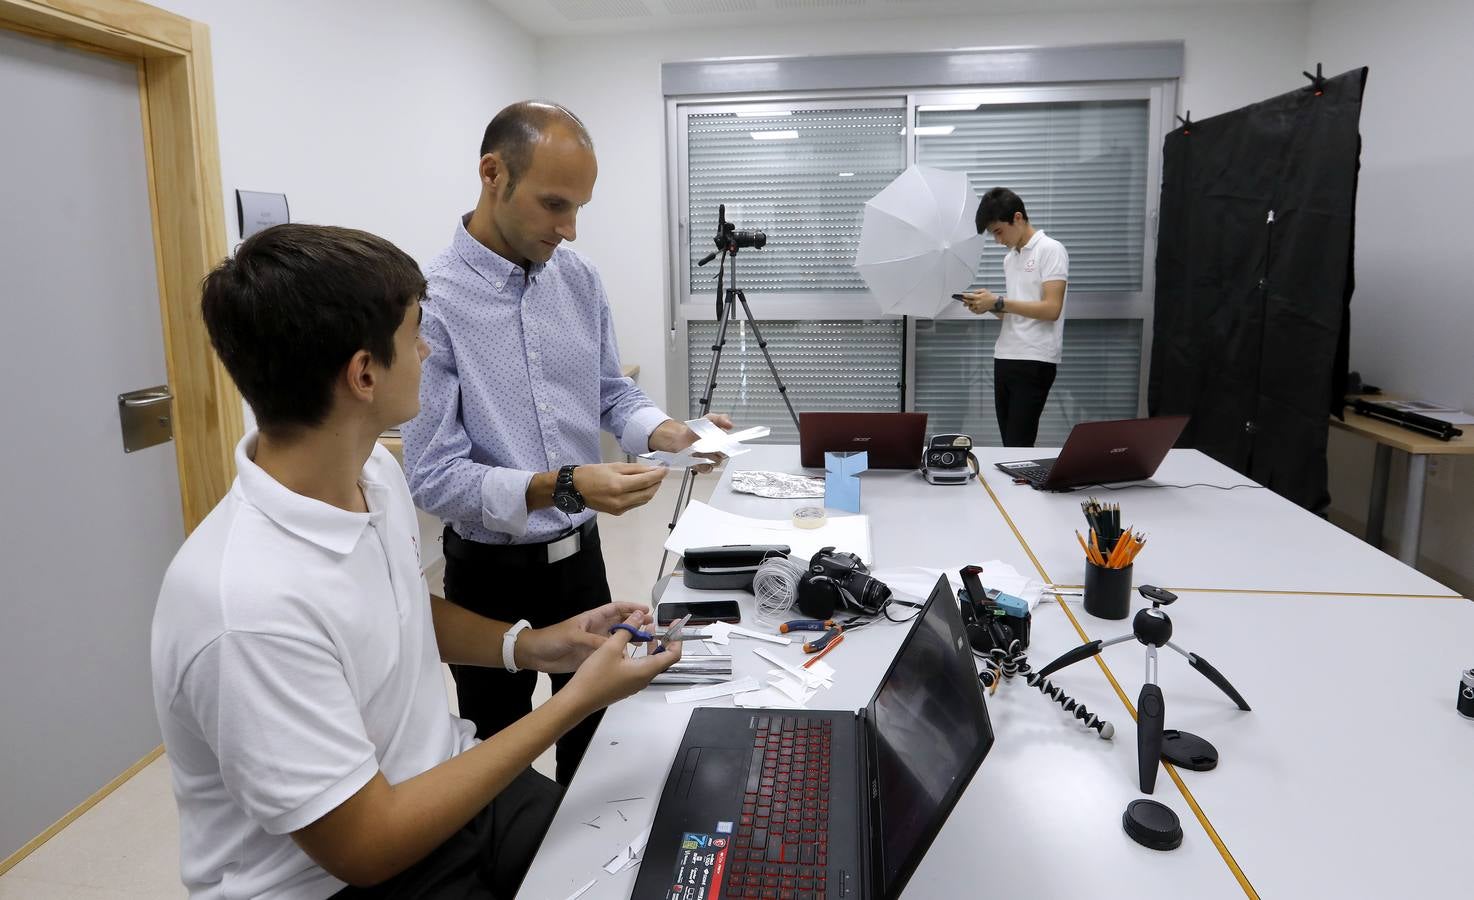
[959, 297]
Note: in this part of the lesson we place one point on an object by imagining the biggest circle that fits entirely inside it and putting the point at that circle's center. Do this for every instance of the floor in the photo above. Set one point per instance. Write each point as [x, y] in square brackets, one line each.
[127, 846]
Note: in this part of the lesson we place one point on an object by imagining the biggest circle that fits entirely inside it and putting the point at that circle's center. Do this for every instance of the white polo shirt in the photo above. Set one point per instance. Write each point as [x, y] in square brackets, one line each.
[293, 657]
[1024, 272]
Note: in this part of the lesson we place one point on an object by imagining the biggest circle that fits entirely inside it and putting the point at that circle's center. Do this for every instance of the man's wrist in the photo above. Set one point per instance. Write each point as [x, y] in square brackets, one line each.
[540, 490]
[999, 304]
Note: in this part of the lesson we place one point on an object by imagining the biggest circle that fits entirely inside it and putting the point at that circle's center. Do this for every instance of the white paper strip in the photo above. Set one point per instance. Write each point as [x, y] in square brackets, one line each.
[723, 632]
[769, 698]
[708, 691]
[583, 890]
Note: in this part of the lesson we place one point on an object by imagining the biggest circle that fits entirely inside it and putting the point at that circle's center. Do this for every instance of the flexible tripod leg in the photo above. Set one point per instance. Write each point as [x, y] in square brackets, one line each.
[1150, 715]
[1084, 651]
[1213, 675]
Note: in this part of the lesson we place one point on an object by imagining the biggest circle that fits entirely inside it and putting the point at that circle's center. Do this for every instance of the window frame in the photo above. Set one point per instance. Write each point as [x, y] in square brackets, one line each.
[683, 306]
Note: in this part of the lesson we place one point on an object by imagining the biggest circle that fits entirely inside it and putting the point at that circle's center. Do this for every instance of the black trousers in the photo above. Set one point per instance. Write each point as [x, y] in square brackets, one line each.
[487, 858]
[502, 583]
[1020, 387]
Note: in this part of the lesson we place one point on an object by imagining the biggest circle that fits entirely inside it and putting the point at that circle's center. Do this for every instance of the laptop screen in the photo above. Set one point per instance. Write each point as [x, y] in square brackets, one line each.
[931, 729]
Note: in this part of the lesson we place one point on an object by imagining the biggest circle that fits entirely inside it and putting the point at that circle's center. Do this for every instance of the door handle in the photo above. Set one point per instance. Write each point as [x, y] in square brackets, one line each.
[149, 399]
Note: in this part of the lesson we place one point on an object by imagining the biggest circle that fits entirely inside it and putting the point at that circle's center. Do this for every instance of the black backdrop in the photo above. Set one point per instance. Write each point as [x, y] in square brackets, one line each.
[1251, 324]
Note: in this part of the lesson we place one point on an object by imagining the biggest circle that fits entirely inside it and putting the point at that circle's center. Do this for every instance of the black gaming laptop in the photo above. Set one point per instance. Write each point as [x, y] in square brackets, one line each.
[1101, 453]
[824, 804]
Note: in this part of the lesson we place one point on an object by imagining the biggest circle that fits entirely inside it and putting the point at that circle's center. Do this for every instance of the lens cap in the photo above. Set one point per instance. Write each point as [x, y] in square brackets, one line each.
[1152, 825]
[1188, 751]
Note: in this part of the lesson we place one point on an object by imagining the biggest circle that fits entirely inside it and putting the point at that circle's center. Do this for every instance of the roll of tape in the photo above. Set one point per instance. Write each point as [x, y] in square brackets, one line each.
[809, 516]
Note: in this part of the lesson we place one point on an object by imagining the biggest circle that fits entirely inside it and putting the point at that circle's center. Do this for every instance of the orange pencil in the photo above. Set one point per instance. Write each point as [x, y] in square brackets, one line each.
[1088, 554]
[820, 655]
[1095, 545]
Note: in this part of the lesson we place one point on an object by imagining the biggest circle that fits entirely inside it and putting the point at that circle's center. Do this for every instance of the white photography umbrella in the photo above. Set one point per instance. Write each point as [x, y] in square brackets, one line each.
[919, 244]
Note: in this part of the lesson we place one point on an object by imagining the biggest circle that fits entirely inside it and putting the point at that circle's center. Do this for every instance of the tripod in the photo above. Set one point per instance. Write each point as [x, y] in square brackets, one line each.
[1153, 629]
[728, 241]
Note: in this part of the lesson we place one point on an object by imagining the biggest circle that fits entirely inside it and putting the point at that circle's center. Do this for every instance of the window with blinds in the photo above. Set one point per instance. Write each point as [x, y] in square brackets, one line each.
[802, 176]
[1080, 168]
[835, 365]
[1097, 379]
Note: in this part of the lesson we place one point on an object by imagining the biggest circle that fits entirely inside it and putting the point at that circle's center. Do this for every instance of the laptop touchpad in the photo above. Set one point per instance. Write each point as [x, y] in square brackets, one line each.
[714, 774]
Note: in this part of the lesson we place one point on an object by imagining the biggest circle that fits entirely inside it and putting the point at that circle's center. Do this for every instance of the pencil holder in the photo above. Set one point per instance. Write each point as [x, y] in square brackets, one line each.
[1107, 591]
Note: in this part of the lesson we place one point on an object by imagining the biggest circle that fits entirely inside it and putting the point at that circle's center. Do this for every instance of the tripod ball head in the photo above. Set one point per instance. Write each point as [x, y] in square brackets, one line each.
[1158, 596]
[1151, 626]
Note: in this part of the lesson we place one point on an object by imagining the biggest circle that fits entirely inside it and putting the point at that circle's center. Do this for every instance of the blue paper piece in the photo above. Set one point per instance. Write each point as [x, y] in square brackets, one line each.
[842, 479]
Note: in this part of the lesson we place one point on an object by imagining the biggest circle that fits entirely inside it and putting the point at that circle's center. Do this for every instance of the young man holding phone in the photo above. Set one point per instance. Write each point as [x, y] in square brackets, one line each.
[1028, 351]
[296, 648]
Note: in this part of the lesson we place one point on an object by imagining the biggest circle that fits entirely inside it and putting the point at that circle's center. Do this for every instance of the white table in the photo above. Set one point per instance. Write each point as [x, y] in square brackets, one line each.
[1042, 817]
[1248, 539]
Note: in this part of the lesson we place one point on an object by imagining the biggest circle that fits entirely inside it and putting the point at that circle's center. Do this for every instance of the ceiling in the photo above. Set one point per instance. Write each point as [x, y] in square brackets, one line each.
[559, 18]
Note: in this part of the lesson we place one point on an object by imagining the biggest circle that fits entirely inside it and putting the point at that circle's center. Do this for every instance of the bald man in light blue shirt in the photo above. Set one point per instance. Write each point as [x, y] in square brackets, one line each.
[523, 374]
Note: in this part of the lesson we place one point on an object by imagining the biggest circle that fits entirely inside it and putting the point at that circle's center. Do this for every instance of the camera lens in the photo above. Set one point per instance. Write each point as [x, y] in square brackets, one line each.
[948, 458]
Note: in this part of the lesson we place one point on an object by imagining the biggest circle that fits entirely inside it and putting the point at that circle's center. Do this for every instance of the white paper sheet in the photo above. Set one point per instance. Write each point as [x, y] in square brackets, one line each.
[709, 691]
[710, 439]
[702, 526]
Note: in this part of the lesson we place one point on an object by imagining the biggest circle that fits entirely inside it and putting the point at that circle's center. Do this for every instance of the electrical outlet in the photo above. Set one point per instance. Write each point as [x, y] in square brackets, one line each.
[1441, 472]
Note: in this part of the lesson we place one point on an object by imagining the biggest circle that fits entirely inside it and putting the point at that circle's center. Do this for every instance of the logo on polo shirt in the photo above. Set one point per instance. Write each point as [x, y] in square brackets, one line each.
[1029, 266]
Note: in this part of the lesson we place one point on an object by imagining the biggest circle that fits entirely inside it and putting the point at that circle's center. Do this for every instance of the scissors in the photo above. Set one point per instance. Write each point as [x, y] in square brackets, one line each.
[673, 633]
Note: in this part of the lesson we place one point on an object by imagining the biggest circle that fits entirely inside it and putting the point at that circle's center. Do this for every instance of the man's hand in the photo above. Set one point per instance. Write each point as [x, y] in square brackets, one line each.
[609, 675]
[980, 302]
[673, 437]
[563, 647]
[617, 488]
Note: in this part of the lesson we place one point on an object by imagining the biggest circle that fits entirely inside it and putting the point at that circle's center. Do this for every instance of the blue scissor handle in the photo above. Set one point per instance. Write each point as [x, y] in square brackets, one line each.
[636, 635]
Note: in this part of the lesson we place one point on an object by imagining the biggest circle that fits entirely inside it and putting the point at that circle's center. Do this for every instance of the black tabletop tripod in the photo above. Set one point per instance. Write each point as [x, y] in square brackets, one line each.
[1152, 628]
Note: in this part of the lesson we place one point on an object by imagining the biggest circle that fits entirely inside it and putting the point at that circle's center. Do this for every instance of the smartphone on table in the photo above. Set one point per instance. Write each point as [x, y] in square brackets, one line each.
[703, 612]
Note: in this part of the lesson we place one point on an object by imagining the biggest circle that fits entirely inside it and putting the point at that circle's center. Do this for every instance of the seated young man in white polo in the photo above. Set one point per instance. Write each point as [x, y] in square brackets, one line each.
[296, 648]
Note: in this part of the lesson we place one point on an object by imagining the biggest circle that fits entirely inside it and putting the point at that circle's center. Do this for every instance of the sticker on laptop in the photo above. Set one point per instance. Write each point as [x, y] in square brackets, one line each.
[1026, 464]
[700, 863]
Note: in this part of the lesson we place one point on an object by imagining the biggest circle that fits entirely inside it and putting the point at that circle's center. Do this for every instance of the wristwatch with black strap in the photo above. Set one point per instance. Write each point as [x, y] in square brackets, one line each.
[998, 304]
[565, 496]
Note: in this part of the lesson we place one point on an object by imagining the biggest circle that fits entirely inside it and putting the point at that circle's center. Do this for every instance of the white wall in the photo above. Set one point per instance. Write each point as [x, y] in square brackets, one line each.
[1412, 319]
[1233, 57]
[365, 113]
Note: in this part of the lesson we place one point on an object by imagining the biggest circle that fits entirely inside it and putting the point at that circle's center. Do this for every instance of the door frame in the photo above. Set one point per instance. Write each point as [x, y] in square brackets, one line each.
[181, 152]
[177, 95]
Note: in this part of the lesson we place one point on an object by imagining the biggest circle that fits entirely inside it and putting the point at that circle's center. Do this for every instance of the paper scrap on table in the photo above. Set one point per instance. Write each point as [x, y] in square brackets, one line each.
[583, 890]
[703, 526]
[709, 439]
[769, 698]
[811, 677]
[629, 856]
[708, 691]
[794, 690]
[723, 632]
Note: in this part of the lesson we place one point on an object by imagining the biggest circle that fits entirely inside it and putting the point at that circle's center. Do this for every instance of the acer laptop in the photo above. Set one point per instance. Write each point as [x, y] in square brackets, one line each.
[824, 804]
[1100, 453]
[893, 440]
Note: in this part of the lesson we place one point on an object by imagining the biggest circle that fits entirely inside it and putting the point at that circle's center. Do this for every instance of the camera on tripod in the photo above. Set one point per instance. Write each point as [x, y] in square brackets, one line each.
[729, 240]
[994, 620]
[840, 581]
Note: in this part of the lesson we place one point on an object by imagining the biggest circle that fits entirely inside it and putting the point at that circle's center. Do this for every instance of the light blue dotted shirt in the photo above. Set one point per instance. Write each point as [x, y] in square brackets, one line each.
[523, 372]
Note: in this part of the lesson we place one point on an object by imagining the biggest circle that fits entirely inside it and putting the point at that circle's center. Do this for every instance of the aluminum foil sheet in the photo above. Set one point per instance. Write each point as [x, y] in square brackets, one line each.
[778, 485]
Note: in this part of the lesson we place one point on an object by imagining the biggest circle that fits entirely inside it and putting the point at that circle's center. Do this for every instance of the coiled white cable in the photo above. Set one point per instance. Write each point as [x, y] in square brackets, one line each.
[775, 585]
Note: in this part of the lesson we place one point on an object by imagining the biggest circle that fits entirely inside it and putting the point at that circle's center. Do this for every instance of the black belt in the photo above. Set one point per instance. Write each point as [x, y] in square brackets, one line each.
[559, 548]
